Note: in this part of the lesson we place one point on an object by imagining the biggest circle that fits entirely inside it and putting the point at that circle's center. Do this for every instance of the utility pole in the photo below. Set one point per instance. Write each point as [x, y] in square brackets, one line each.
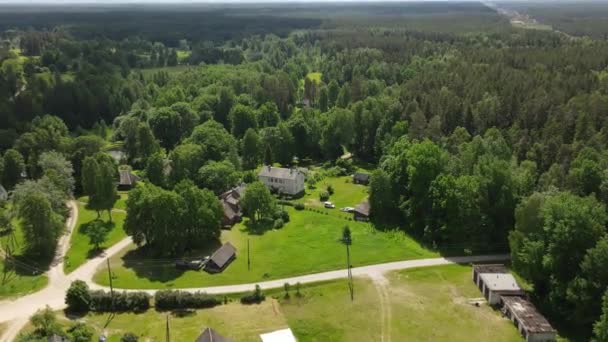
[167, 338]
[248, 257]
[111, 286]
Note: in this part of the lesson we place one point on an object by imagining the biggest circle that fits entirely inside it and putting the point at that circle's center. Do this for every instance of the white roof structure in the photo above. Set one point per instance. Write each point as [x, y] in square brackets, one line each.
[280, 172]
[500, 282]
[284, 335]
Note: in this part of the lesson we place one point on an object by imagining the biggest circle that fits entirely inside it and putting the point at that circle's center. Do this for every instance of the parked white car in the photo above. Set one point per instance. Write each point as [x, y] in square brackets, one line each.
[348, 209]
[329, 205]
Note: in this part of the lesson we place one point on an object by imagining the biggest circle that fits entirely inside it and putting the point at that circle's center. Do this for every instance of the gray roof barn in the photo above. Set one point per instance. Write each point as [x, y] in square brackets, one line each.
[127, 179]
[280, 172]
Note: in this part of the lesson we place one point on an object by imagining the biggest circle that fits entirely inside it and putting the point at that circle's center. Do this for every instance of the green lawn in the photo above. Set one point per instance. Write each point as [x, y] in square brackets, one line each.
[346, 194]
[235, 321]
[307, 244]
[80, 247]
[426, 304]
[20, 279]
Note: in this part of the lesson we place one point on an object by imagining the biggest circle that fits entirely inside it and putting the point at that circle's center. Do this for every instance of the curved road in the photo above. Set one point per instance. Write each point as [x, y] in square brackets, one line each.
[17, 311]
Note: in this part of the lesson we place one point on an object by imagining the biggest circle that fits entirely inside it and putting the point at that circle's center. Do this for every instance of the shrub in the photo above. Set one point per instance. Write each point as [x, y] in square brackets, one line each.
[80, 332]
[78, 298]
[299, 206]
[254, 298]
[330, 189]
[281, 214]
[278, 223]
[323, 196]
[129, 337]
[101, 301]
[175, 299]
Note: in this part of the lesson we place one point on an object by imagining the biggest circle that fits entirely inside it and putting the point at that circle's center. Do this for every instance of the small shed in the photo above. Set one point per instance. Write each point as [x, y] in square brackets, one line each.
[210, 335]
[361, 212]
[283, 335]
[533, 326]
[231, 205]
[3, 193]
[221, 258]
[495, 285]
[486, 268]
[361, 178]
[127, 180]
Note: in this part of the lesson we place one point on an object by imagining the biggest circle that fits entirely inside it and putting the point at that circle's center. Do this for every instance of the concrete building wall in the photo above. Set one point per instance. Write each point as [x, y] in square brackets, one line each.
[541, 337]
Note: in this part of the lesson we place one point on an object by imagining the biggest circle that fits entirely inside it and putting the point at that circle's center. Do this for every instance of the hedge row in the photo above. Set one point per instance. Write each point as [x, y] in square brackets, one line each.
[254, 298]
[175, 299]
[101, 301]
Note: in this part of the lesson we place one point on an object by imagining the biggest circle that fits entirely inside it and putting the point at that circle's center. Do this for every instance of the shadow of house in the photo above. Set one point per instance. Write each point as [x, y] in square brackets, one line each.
[210, 335]
[231, 205]
[221, 258]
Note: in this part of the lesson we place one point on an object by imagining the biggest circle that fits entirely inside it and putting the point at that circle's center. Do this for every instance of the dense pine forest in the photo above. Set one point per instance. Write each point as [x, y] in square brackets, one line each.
[484, 137]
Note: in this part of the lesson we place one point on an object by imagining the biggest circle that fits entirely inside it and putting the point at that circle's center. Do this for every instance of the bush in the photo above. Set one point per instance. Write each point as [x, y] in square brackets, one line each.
[78, 298]
[175, 299]
[129, 337]
[101, 301]
[299, 206]
[254, 298]
[281, 214]
[323, 196]
[80, 332]
[330, 189]
[278, 223]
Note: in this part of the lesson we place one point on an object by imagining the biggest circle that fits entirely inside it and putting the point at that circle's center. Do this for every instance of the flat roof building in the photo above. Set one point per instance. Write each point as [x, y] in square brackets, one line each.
[487, 268]
[533, 326]
[495, 285]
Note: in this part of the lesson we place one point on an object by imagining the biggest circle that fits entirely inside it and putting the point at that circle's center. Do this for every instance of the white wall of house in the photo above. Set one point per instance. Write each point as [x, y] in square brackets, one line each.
[286, 186]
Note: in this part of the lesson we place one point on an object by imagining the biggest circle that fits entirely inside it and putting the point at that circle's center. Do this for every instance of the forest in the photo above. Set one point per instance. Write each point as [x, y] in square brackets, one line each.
[483, 136]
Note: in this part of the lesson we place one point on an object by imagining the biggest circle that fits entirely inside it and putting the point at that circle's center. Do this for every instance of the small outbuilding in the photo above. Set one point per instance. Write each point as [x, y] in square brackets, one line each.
[533, 326]
[486, 268]
[221, 258]
[361, 212]
[127, 180]
[283, 335]
[495, 285]
[361, 178]
[3, 193]
[231, 204]
[210, 335]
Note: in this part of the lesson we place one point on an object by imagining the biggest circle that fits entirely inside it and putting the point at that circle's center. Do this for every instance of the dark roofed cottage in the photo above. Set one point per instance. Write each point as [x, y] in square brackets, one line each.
[361, 178]
[127, 180]
[221, 258]
[362, 211]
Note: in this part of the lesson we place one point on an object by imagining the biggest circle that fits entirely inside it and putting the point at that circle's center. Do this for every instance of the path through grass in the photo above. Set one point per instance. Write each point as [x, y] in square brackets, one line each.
[80, 247]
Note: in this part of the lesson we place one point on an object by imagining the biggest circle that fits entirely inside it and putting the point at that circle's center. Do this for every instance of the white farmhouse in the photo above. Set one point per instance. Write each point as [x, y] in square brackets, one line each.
[286, 181]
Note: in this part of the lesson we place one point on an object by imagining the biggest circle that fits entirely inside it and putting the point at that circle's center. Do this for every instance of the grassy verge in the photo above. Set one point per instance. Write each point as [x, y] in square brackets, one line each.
[24, 276]
[80, 247]
[346, 194]
[307, 244]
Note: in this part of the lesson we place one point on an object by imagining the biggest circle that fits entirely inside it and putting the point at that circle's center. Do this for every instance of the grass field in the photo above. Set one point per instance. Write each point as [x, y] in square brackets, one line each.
[426, 304]
[80, 247]
[307, 244]
[346, 194]
[20, 280]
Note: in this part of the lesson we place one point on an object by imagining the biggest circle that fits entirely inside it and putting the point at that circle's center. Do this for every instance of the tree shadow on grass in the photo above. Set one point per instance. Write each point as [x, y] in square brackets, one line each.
[87, 228]
[146, 263]
[258, 228]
